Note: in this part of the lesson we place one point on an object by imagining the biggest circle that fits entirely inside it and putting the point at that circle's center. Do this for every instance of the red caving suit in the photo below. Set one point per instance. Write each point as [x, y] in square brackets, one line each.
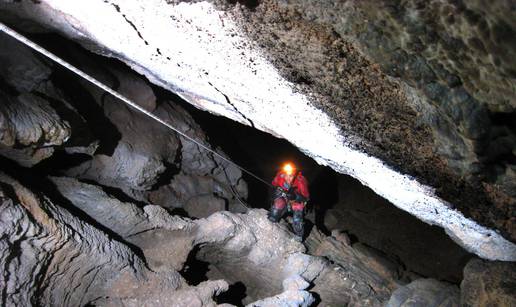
[300, 188]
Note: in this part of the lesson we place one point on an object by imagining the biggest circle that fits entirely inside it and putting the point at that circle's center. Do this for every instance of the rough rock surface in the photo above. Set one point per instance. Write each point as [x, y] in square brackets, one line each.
[488, 284]
[133, 158]
[149, 228]
[438, 62]
[31, 124]
[35, 117]
[368, 277]
[361, 213]
[291, 295]
[414, 109]
[425, 292]
[239, 247]
[409, 103]
[45, 247]
[242, 248]
[127, 150]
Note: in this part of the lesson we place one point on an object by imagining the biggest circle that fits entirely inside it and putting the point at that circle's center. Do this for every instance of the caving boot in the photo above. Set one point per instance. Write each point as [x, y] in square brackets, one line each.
[274, 214]
[298, 225]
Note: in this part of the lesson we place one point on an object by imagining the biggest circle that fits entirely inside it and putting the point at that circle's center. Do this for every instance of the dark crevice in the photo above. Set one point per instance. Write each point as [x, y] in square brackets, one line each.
[234, 295]
[233, 106]
[250, 4]
[179, 212]
[81, 135]
[195, 270]
[165, 178]
[135, 29]
[7, 88]
[60, 161]
[117, 8]
[85, 104]
[504, 119]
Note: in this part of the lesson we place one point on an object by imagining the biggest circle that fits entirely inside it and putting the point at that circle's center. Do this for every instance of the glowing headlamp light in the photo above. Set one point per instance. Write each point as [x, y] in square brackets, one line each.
[288, 169]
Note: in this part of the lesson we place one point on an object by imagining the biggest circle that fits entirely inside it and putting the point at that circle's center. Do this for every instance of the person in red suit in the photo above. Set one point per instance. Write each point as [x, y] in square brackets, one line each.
[290, 194]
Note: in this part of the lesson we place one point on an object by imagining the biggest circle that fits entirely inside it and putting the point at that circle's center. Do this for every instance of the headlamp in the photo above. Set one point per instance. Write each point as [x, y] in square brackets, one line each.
[288, 168]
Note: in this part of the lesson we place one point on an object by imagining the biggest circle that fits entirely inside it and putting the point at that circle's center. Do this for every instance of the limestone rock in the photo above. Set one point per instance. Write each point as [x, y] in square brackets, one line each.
[44, 247]
[372, 219]
[239, 245]
[137, 159]
[488, 284]
[394, 95]
[36, 118]
[364, 276]
[33, 125]
[136, 153]
[293, 295]
[200, 196]
[165, 240]
[425, 292]
[21, 69]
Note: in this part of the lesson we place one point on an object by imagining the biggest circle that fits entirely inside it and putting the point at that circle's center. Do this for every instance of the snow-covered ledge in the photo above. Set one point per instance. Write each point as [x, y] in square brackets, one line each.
[198, 52]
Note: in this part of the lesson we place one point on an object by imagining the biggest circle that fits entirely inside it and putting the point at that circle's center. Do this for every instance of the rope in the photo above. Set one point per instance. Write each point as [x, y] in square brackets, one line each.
[124, 99]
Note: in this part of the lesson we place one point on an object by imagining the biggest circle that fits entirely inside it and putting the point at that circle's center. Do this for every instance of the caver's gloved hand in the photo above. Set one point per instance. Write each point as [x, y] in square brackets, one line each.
[278, 192]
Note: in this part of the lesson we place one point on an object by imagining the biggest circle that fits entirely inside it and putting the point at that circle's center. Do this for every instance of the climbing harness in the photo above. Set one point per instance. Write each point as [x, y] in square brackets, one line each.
[124, 99]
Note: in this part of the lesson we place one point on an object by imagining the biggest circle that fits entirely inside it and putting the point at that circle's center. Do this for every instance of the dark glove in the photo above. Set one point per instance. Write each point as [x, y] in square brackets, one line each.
[278, 192]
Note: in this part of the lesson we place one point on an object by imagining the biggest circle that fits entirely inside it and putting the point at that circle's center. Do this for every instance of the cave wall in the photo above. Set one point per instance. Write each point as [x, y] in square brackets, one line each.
[371, 220]
[93, 224]
[312, 74]
[110, 144]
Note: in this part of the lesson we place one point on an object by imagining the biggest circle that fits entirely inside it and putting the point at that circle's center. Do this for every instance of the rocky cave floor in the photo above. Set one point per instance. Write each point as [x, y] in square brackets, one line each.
[101, 206]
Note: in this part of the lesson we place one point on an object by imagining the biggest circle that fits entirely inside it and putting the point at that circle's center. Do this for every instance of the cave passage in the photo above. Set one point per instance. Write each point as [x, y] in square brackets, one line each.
[338, 203]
